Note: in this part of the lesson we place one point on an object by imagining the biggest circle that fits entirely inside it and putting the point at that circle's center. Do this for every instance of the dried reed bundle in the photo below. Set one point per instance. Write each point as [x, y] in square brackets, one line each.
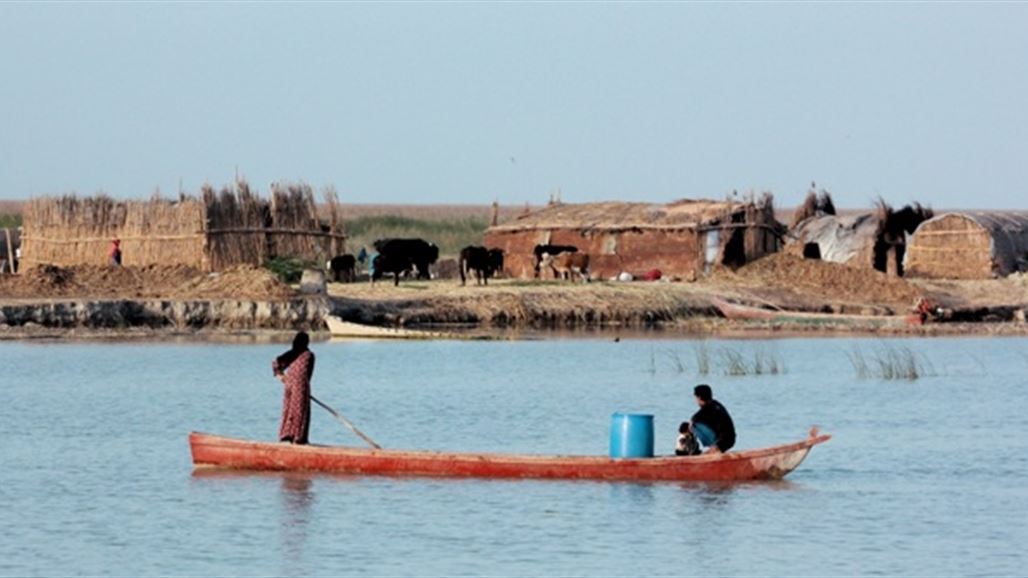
[217, 231]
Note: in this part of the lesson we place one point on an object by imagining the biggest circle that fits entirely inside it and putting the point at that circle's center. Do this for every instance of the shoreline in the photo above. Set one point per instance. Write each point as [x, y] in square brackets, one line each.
[501, 311]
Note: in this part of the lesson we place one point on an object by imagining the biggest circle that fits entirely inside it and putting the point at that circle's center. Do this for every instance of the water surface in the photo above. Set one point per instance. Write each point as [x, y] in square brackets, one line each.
[922, 477]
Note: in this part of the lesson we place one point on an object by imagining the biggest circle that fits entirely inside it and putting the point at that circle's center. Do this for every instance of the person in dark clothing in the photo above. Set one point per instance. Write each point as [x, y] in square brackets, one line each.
[712, 425]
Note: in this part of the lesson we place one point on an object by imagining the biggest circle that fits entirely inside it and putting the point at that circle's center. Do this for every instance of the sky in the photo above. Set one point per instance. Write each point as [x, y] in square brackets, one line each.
[475, 102]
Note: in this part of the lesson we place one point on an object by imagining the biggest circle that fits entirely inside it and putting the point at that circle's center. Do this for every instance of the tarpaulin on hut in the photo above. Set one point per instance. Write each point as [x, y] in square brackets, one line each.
[846, 239]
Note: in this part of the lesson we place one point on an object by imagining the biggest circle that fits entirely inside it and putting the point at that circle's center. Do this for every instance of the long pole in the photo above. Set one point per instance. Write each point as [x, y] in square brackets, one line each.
[347, 423]
[10, 250]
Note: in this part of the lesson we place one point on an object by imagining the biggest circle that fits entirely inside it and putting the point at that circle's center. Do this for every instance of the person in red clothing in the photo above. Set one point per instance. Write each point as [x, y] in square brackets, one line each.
[294, 368]
[115, 253]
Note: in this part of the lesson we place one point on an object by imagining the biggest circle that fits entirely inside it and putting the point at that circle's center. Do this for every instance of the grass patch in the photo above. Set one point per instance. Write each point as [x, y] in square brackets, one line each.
[449, 234]
[10, 221]
[289, 270]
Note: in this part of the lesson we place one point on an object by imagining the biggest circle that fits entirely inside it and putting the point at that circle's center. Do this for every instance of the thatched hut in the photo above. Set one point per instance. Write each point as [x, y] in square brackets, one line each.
[681, 239]
[969, 245]
[871, 240]
[210, 233]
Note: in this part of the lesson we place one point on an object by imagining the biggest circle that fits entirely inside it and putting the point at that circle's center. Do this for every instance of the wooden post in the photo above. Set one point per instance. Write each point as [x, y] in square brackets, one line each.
[10, 249]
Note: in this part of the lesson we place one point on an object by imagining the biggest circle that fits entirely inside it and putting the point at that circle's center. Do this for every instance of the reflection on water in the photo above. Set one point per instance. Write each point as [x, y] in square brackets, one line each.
[297, 499]
[636, 495]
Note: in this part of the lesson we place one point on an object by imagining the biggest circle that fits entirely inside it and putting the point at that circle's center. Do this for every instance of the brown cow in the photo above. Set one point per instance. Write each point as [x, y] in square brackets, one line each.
[566, 265]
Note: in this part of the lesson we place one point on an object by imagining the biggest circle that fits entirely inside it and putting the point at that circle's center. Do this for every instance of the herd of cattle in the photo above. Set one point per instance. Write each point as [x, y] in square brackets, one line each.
[412, 258]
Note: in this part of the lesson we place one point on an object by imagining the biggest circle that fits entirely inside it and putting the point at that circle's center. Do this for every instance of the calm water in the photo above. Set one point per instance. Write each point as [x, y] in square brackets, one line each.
[927, 477]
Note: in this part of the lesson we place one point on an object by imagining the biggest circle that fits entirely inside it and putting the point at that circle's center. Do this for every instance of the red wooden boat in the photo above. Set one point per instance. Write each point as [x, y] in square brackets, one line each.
[760, 464]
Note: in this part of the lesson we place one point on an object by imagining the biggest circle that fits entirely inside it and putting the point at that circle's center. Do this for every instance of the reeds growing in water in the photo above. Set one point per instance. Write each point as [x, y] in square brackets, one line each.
[725, 360]
[889, 363]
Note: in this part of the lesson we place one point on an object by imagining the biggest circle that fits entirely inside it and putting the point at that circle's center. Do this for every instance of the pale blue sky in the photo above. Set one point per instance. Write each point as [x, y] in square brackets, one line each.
[466, 103]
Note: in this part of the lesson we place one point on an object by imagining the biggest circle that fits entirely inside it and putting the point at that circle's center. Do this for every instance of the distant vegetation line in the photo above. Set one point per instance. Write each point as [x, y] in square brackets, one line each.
[352, 211]
[449, 234]
[10, 221]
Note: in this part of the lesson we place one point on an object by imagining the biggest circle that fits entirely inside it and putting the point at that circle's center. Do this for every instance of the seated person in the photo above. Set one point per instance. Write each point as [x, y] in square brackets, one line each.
[687, 444]
[712, 425]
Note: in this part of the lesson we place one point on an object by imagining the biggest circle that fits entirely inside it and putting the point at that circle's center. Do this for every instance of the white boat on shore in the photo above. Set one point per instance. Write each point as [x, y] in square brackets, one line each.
[348, 329]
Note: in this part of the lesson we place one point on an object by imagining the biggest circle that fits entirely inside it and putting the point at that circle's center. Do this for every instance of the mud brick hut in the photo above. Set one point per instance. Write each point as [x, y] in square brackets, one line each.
[682, 239]
[210, 233]
[871, 240]
[969, 245]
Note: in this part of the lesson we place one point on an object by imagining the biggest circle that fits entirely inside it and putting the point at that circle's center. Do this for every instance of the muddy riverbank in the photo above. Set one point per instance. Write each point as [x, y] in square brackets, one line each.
[157, 316]
[73, 302]
[538, 310]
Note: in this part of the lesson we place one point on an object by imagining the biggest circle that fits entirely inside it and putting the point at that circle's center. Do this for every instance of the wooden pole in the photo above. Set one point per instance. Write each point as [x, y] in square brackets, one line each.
[347, 423]
[10, 250]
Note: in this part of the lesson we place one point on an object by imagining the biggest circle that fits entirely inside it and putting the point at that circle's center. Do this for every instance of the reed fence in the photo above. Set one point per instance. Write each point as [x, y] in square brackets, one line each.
[218, 230]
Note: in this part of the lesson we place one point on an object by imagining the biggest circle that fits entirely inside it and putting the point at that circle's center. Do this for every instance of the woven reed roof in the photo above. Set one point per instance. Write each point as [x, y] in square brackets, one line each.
[997, 221]
[683, 214]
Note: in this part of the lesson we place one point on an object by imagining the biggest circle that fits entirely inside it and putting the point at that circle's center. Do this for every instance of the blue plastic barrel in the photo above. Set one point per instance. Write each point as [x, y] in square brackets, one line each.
[631, 435]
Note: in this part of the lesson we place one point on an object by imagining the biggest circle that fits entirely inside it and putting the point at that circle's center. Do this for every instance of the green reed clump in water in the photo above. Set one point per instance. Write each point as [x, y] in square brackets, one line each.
[762, 362]
[889, 363]
[727, 360]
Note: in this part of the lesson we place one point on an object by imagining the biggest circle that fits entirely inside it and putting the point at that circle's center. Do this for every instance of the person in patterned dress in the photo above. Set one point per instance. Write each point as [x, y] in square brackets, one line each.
[294, 369]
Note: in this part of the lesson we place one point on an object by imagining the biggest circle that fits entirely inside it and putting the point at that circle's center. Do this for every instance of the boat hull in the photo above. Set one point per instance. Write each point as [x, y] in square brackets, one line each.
[762, 464]
[736, 312]
[339, 328]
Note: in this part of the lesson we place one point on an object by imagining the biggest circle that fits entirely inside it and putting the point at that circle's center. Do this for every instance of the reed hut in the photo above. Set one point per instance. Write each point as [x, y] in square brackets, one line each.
[969, 245]
[211, 233]
[874, 240]
[682, 239]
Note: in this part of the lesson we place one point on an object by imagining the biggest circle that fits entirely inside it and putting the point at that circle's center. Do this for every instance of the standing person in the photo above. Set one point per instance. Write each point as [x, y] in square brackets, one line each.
[294, 369]
[712, 425]
[115, 253]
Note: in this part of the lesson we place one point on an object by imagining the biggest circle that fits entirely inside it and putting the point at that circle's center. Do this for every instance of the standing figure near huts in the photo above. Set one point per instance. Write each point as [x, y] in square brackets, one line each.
[294, 368]
[114, 255]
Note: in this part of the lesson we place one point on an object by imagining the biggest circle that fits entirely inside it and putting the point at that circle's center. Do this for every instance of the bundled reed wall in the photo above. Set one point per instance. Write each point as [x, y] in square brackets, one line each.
[234, 227]
[217, 231]
[978, 245]
[70, 230]
[294, 217]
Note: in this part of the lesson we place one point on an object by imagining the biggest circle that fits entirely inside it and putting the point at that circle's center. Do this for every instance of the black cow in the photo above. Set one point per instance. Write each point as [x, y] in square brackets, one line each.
[390, 263]
[552, 250]
[496, 260]
[417, 252]
[484, 262]
[342, 268]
